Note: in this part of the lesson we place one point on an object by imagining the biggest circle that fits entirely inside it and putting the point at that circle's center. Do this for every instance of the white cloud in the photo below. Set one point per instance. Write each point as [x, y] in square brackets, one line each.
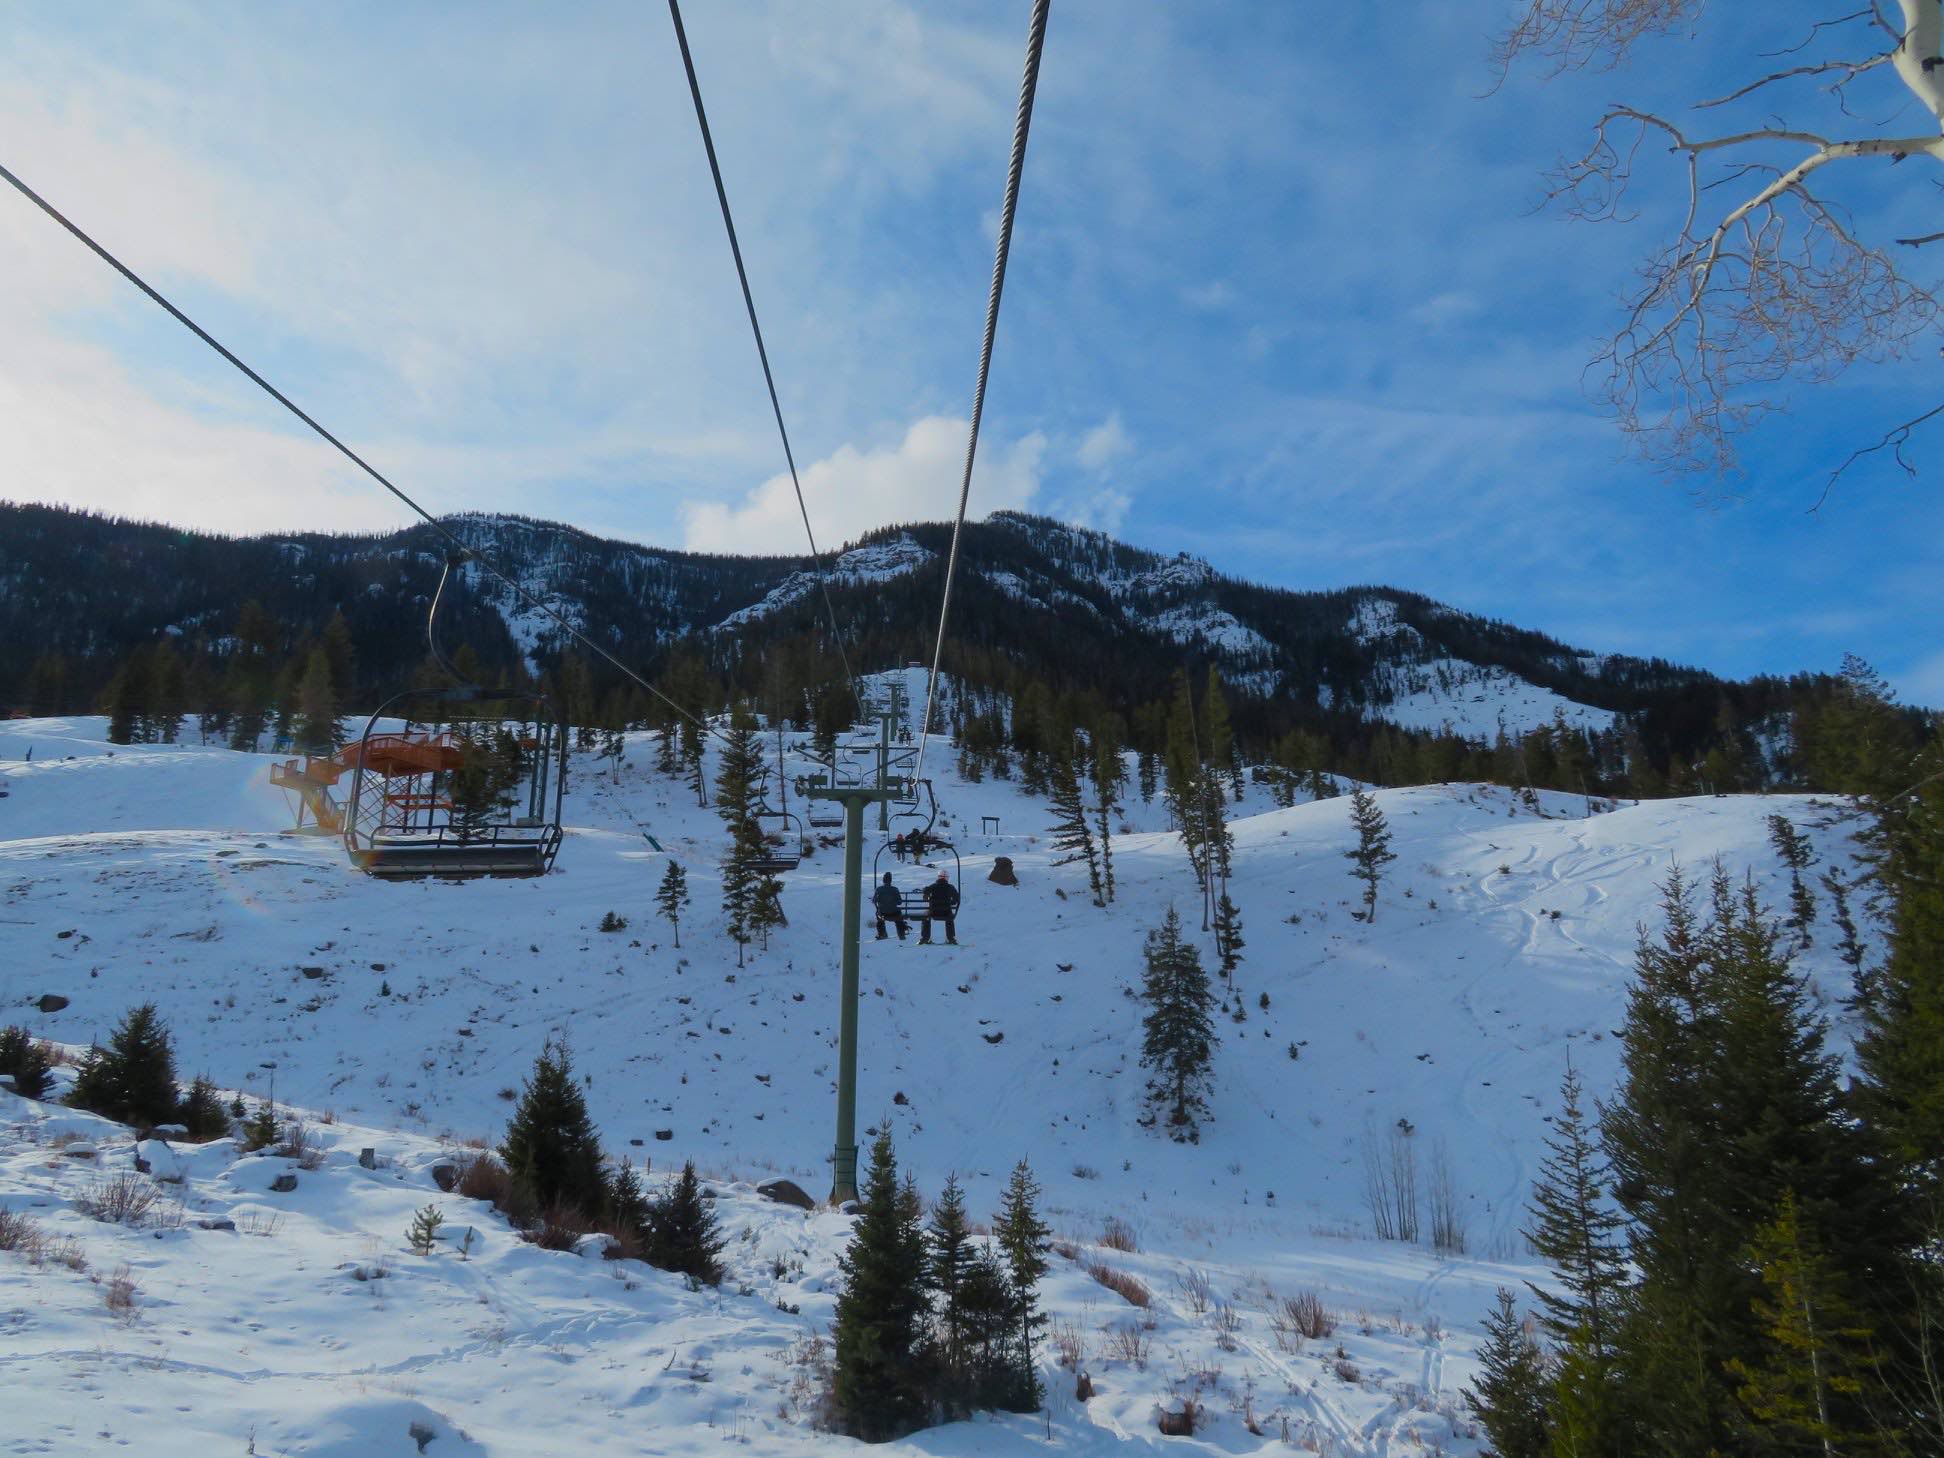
[1104, 510]
[1440, 311]
[1209, 298]
[852, 491]
[1105, 443]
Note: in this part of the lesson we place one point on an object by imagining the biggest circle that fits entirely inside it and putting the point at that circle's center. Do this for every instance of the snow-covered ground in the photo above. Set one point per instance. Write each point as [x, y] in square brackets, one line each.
[404, 1012]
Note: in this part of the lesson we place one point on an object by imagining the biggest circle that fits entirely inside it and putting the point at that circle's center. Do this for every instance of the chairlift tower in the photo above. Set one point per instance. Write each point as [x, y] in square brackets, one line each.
[880, 788]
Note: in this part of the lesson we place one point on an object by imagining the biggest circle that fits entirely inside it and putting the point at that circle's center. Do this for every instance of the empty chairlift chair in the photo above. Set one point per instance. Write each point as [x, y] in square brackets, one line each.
[469, 784]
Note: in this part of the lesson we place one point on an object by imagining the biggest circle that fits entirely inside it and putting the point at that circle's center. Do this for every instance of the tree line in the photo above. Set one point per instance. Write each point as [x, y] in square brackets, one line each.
[1744, 1244]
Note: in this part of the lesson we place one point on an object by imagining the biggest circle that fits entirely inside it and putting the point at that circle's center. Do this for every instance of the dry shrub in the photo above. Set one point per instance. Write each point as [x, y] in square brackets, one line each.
[1227, 1323]
[1119, 1282]
[1347, 1370]
[67, 1252]
[482, 1177]
[1127, 1344]
[1117, 1234]
[122, 1290]
[1195, 1289]
[560, 1227]
[1069, 1346]
[123, 1199]
[298, 1144]
[19, 1233]
[1066, 1250]
[1179, 1424]
[1306, 1315]
[628, 1242]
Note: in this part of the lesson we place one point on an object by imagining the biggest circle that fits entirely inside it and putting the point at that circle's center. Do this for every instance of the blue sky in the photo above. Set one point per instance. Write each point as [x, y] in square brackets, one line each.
[1279, 297]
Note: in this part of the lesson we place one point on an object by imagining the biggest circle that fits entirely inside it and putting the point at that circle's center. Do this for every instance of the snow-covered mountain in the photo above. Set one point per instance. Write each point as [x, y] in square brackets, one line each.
[1121, 618]
[398, 1014]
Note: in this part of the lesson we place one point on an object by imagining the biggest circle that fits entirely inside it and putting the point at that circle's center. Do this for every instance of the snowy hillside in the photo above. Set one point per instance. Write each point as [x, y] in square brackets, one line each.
[405, 1012]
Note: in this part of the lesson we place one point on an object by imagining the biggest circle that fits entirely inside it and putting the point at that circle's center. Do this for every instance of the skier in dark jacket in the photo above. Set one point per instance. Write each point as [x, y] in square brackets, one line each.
[941, 904]
[889, 906]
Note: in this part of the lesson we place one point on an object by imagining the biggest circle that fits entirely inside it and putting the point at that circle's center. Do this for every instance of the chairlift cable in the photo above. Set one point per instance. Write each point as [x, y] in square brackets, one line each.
[1029, 83]
[357, 460]
[762, 354]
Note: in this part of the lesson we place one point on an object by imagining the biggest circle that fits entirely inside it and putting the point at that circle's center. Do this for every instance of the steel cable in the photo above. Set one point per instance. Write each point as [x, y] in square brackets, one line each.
[352, 456]
[1029, 83]
[749, 303]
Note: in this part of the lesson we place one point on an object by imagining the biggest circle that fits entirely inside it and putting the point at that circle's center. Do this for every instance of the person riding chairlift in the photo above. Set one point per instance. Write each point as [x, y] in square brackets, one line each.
[889, 906]
[941, 904]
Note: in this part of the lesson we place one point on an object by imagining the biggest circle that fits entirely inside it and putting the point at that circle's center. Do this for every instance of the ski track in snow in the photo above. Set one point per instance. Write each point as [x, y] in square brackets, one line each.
[168, 873]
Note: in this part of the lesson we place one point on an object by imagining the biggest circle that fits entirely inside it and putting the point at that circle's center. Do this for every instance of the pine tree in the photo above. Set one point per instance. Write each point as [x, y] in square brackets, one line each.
[672, 899]
[168, 693]
[47, 686]
[1798, 855]
[1024, 1241]
[127, 701]
[1856, 742]
[1510, 1398]
[1812, 1387]
[25, 1059]
[1577, 1234]
[1728, 1100]
[766, 911]
[132, 1080]
[1072, 835]
[201, 1111]
[668, 738]
[1109, 775]
[316, 727]
[342, 655]
[949, 1267]
[692, 760]
[1228, 934]
[683, 1235]
[1849, 944]
[551, 1148]
[882, 1310]
[424, 1231]
[628, 1212]
[1218, 735]
[479, 789]
[248, 683]
[1181, 766]
[203, 693]
[1178, 1033]
[1902, 1049]
[1373, 850]
[261, 1129]
[738, 778]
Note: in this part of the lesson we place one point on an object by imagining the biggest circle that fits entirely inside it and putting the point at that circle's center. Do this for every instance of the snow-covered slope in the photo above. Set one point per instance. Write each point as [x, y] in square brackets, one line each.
[859, 567]
[1502, 940]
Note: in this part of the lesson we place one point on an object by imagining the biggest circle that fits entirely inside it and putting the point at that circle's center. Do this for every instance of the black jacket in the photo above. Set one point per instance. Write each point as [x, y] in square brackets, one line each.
[887, 901]
[941, 898]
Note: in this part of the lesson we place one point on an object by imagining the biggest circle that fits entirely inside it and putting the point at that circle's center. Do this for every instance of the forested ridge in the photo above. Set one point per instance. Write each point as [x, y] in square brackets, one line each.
[1068, 622]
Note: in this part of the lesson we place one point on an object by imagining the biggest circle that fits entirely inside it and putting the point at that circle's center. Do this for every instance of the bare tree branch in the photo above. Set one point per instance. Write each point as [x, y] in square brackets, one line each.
[1850, 70]
[1763, 279]
[1869, 12]
[1576, 34]
[1894, 440]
